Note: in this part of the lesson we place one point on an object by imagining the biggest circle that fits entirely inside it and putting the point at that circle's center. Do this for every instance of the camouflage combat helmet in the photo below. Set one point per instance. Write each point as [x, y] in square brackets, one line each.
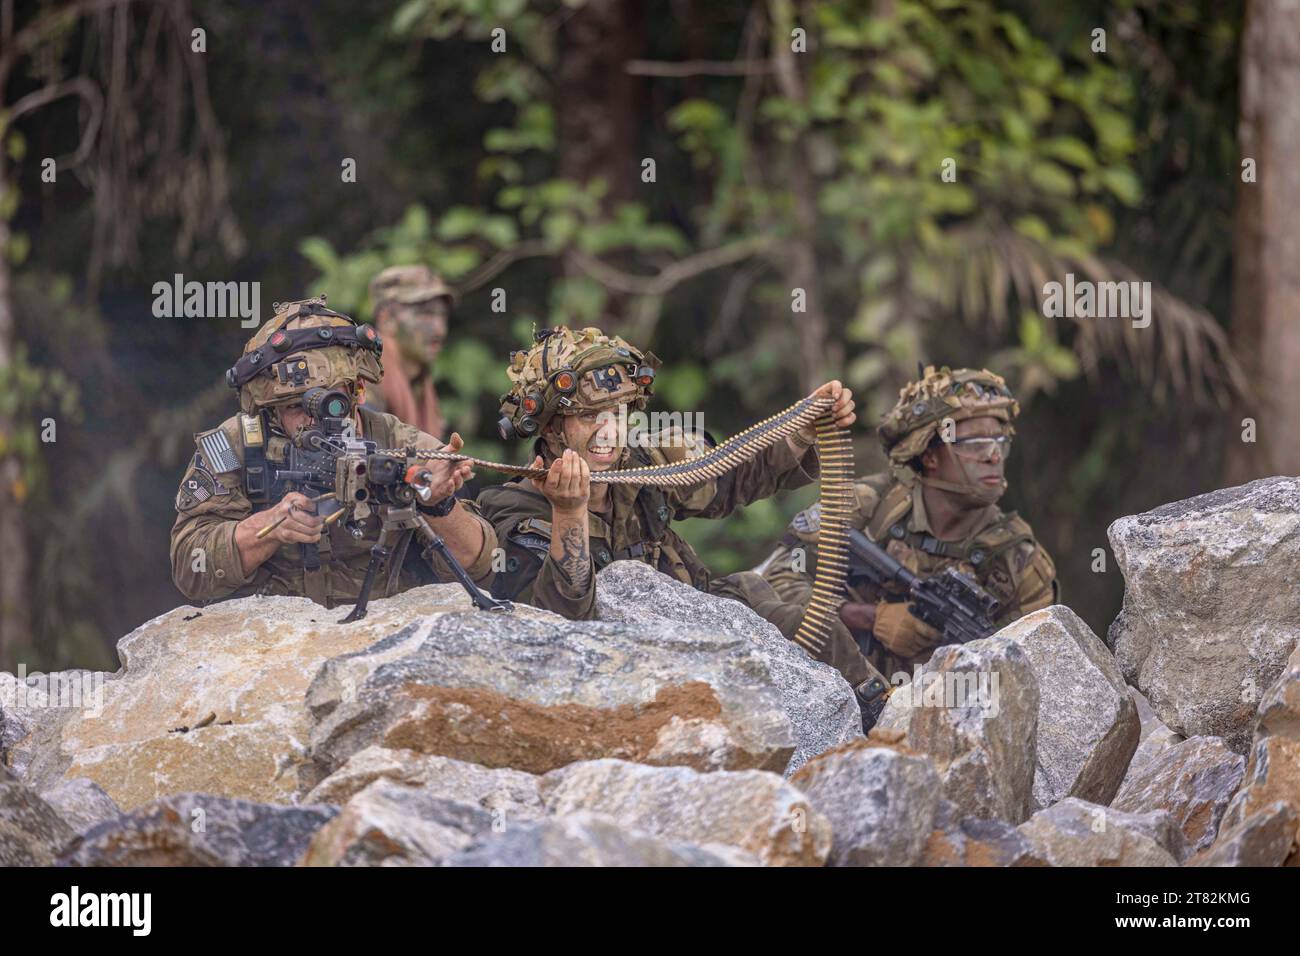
[907, 429]
[567, 372]
[409, 285]
[304, 345]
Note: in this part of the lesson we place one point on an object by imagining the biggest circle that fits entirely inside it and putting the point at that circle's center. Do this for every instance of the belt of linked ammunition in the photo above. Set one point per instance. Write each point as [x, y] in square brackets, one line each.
[835, 452]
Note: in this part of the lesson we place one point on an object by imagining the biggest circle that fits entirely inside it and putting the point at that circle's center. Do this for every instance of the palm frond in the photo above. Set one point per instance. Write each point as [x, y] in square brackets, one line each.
[1183, 355]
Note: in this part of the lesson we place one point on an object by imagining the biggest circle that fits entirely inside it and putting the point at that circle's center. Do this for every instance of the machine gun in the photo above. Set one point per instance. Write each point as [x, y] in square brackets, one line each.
[350, 477]
[951, 602]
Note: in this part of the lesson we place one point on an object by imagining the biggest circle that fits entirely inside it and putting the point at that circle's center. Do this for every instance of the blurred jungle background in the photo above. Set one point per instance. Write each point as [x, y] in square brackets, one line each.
[795, 146]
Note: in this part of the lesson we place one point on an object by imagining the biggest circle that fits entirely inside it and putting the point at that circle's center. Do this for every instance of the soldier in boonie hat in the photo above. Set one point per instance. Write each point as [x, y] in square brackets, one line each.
[412, 309]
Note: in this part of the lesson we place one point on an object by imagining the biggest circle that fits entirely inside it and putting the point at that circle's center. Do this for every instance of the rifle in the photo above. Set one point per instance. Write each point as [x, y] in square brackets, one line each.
[351, 477]
[951, 602]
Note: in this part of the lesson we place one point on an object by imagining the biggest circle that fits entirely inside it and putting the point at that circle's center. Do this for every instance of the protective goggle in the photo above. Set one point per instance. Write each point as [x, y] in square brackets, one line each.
[982, 448]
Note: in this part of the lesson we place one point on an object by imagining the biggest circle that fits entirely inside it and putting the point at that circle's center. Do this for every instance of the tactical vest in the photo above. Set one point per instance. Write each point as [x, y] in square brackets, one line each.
[986, 550]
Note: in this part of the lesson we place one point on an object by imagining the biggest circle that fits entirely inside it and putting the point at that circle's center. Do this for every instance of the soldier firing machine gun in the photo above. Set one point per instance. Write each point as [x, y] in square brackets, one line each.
[351, 477]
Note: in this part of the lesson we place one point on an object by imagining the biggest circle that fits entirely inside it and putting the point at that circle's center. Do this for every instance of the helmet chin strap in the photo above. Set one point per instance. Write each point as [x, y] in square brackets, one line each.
[975, 492]
[554, 441]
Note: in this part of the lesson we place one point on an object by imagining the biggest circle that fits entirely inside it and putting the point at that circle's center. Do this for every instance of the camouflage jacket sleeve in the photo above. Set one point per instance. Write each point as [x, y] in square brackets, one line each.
[209, 503]
[522, 519]
[1036, 587]
[775, 469]
[790, 568]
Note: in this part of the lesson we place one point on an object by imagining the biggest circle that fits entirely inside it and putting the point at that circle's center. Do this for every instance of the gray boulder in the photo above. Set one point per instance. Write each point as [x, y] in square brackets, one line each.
[751, 810]
[537, 692]
[818, 702]
[31, 832]
[1273, 769]
[1209, 612]
[1193, 780]
[588, 839]
[389, 824]
[959, 840]
[880, 802]
[35, 708]
[1154, 737]
[1088, 725]
[195, 829]
[1077, 833]
[82, 803]
[506, 794]
[1266, 837]
[973, 708]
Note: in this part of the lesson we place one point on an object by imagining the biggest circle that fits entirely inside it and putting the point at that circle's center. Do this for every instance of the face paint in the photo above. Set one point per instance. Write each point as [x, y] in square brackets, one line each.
[421, 333]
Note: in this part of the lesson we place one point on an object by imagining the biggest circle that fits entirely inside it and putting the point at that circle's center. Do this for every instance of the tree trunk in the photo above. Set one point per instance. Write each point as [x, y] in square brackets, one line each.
[15, 619]
[1266, 282]
[599, 102]
[817, 352]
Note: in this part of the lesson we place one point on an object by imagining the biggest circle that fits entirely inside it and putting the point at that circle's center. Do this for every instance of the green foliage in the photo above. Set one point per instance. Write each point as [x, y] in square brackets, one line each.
[1038, 133]
[1038, 361]
[28, 394]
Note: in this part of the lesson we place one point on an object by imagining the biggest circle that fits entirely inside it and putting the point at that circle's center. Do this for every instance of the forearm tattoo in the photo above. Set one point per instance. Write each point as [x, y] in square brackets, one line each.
[575, 558]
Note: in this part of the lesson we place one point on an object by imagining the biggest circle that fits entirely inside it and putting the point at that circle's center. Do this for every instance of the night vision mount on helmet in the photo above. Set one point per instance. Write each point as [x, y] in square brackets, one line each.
[568, 372]
[304, 345]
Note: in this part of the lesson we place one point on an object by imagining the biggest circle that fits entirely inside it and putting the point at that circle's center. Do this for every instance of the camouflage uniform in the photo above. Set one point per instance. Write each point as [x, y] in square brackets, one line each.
[416, 401]
[605, 372]
[230, 476]
[1001, 553]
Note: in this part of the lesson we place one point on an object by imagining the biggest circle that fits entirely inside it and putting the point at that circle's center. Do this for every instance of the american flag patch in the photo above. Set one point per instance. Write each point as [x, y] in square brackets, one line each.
[218, 453]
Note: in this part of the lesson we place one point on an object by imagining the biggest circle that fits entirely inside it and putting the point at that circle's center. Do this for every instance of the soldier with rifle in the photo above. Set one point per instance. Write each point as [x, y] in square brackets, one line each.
[935, 560]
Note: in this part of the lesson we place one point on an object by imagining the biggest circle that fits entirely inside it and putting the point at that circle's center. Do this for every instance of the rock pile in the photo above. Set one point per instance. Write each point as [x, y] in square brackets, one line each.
[680, 729]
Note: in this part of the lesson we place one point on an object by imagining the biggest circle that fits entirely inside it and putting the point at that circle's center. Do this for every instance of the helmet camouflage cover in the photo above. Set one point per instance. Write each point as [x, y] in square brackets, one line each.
[907, 429]
[567, 372]
[278, 365]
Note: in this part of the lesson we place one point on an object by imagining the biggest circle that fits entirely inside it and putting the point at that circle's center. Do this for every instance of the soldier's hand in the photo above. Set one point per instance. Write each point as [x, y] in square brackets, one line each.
[448, 477]
[858, 616]
[842, 410]
[567, 486]
[302, 526]
[902, 633]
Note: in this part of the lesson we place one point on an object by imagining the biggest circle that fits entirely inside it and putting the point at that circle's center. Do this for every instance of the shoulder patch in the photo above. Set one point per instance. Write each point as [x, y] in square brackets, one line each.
[1000, 583]
[217, 452]
[201, 466]
[809, 520]
[197, 487]
[533, 534]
